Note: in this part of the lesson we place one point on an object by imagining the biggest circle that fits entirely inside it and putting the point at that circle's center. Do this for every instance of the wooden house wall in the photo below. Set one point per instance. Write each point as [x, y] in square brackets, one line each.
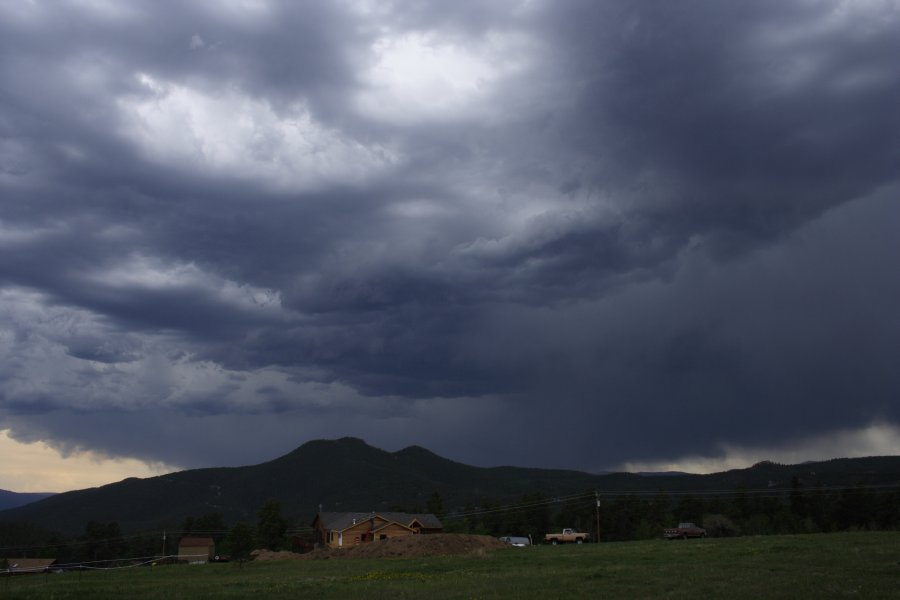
[354, 535]
[351, 536]
[393, 530]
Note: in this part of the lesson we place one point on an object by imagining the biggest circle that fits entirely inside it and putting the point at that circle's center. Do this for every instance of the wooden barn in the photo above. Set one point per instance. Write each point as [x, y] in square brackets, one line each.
[345, 529]
[196, 550]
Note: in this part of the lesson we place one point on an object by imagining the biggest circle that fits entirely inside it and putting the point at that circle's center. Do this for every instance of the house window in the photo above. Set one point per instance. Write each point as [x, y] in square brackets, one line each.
[382, 537]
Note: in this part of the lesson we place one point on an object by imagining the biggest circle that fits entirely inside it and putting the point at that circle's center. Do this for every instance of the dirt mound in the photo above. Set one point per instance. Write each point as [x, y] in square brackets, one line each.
[438, 544]
[263, 555]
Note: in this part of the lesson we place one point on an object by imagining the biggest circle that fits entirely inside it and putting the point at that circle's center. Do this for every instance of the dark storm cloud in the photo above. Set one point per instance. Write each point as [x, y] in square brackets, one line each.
[793, 341]
[599, 216]
[737, 111]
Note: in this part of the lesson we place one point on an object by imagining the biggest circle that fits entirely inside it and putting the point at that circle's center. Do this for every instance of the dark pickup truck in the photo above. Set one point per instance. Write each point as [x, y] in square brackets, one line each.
[684, 531]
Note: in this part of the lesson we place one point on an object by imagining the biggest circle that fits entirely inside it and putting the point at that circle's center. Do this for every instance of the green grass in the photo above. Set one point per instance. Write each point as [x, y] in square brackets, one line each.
[858, 565]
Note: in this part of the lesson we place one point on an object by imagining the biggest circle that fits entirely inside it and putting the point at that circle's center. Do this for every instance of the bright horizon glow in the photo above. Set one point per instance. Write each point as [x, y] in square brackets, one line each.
[875, 440]
[37, 467]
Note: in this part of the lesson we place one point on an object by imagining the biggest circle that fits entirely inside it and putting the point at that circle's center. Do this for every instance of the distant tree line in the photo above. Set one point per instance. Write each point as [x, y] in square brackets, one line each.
[621, 517]
[104, 544]
[743, 512]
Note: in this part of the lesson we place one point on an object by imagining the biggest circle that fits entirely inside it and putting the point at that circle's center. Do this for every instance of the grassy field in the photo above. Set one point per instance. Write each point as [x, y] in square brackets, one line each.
[860, 565]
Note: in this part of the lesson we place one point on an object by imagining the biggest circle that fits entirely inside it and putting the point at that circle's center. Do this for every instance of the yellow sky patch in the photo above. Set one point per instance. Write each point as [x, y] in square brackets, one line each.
[36, 467]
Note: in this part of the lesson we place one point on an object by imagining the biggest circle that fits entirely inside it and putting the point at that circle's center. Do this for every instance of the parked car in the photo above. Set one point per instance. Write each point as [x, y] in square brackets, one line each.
[684, 531]
[514, 540]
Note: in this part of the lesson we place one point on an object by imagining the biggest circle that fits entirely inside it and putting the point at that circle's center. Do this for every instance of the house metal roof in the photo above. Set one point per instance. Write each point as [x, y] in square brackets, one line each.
[339, 521]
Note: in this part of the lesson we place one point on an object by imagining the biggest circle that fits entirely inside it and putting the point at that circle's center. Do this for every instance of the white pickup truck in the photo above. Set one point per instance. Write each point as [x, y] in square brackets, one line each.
[567, 535]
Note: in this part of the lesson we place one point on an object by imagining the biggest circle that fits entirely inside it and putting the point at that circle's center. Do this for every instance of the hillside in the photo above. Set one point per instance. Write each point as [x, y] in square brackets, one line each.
[13, 499]
[345, 474]
[348, 474]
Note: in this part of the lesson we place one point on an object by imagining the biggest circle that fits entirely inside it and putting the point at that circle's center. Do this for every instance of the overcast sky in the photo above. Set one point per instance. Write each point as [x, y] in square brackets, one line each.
[559, 233]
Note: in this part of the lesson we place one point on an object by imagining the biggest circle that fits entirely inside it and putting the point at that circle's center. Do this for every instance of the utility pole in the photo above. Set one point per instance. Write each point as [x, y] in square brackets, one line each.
[164, 545]
[597, 498]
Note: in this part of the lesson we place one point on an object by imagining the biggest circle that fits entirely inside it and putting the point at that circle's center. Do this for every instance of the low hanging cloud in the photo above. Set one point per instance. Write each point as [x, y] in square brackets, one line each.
[854, 443]
[632, 233]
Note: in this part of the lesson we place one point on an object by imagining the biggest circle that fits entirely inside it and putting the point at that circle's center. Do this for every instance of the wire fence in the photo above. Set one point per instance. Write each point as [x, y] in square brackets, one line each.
[26, 566]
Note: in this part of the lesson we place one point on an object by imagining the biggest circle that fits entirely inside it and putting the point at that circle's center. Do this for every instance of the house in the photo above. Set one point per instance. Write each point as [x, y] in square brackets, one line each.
[196, 550]
[345, 529]
[19, 566]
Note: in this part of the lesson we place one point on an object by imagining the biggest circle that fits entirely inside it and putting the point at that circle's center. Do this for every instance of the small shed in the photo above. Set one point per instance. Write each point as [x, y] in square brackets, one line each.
[196, 550]
[22, 566]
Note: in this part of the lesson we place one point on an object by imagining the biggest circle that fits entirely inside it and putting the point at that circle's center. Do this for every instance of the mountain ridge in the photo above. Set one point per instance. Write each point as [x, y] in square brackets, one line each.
[349, 474]
[10, 499]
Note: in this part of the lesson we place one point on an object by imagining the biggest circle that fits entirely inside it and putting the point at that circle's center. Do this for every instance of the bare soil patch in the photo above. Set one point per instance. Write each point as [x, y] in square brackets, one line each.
[438, 544]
